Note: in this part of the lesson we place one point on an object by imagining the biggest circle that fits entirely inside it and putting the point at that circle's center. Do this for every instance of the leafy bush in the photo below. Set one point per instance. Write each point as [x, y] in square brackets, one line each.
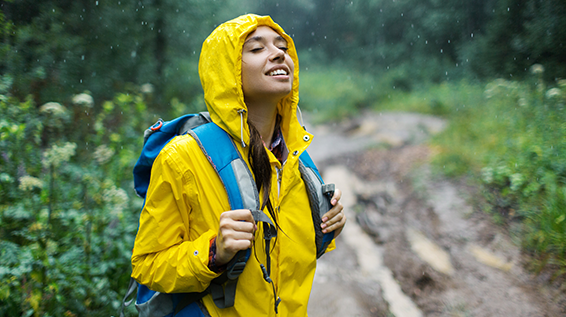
[67, 222]
[514, 140]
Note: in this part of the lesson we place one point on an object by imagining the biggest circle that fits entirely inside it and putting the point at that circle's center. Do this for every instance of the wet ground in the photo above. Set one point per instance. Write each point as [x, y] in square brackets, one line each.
[414, 244]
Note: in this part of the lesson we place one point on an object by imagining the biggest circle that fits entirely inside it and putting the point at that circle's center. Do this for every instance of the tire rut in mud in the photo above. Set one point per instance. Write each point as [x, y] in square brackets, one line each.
[488, 276]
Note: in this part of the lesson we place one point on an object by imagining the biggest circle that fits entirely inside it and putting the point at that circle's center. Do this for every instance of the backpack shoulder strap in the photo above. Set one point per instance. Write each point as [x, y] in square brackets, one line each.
[220, 150]
[154, 140]
[319, 195]
[218, 147]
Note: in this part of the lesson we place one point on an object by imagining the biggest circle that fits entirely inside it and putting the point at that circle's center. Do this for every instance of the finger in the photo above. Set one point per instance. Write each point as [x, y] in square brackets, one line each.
[337, 218]
[332, 212]
[231, 235]
[227, 225]
[337, 226]
[336, 197]
[241, 215]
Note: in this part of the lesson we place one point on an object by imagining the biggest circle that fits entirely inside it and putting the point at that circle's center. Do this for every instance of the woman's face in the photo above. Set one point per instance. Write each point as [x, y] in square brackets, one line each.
[267, 69]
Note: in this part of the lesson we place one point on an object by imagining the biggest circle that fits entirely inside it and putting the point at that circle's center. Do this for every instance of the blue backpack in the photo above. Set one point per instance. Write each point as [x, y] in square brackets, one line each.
[239, 183]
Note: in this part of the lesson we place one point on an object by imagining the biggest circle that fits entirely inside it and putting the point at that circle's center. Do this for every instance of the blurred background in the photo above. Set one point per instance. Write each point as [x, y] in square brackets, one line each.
[81, 80]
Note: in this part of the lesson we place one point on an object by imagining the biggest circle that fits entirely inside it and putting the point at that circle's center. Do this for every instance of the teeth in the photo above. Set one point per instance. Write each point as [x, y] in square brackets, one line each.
[278, 72]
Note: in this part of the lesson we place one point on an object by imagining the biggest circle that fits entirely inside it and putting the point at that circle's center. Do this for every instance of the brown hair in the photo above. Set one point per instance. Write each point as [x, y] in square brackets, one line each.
[261, 168]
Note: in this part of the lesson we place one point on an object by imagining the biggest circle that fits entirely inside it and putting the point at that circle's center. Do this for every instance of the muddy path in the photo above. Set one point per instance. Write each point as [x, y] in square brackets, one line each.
[414, 244]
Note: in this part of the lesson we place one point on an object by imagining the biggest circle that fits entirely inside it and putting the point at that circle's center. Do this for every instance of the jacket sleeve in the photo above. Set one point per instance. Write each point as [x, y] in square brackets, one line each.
[163, 257]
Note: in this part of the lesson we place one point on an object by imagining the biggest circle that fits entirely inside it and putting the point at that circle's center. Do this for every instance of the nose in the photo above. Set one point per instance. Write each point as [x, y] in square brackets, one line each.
[277, 55]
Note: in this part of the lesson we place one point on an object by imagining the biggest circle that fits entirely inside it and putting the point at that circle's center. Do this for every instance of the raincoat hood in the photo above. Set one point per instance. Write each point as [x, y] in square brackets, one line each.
[220, 70]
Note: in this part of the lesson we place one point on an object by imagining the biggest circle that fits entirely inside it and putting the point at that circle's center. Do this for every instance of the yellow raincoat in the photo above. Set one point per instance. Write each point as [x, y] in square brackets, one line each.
[186, 197]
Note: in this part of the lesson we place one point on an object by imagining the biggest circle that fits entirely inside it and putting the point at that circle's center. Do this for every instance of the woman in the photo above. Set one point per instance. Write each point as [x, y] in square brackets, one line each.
[249, 72]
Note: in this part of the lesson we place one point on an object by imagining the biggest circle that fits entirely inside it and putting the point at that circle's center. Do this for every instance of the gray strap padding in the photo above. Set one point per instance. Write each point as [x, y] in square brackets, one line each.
[318, 202]
[202, 118]
[160, 304]
[132, 287]
[246, 184]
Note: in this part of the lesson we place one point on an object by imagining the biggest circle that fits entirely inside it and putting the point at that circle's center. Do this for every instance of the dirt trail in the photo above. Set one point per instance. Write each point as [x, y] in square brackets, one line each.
[424, 237]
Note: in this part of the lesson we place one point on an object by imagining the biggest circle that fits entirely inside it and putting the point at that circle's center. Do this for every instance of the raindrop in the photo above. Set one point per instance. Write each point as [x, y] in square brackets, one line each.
[81, 81]
[312, 33]
[426, 42]
[507, 9]
[325, 37]
[441, 51]
[96, 2]
[83, 57]
[401, 14]
[53, 10]
[472, 35]
[448, 41]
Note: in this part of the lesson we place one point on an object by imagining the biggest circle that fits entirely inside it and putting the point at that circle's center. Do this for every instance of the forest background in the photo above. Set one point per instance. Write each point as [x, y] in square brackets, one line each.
[81, 80]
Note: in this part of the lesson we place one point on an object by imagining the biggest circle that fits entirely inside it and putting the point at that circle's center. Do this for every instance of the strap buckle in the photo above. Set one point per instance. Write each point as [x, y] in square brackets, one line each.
[236, 270]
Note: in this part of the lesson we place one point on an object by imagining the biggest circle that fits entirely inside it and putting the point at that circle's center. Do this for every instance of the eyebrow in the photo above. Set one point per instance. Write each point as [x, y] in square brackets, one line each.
[261, 39]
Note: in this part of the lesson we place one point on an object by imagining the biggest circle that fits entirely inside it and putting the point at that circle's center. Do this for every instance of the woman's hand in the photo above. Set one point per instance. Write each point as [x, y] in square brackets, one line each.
[236, 233]
[334, 219]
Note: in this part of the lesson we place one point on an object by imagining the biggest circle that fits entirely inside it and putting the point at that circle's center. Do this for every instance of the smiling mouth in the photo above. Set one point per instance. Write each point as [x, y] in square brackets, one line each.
[278, 72]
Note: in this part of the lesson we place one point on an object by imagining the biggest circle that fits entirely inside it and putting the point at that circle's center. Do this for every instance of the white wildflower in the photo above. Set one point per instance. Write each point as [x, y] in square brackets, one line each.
[54, 109]
[487, 175]
[117, 198]
[147, 88]
[84, 100]
[553, 92]
[58, 154]
[28, 183]
[102, 154]
[537, 69]
[517, 180]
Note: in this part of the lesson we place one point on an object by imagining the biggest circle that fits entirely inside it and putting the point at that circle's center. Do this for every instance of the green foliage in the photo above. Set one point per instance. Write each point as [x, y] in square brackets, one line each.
[333, 94]
[67, 223]
[519, 34]
[59, 48]
[514, 140]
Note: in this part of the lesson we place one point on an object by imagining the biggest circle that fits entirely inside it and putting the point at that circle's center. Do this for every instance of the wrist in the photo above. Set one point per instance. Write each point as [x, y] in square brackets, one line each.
[213, 265]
